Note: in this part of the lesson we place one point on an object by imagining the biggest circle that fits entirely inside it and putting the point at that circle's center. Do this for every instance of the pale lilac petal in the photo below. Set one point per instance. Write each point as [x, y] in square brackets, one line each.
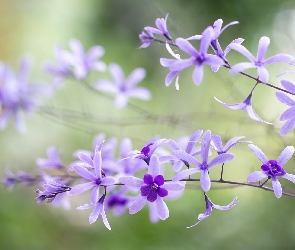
[229, 24]
[82, 188]
[153, 213]
[192, 141]
[288, 86]
[137, 205]
[240, 105]
[185, 173]
[253, 115]
[131, 181]
[154, 166]
[263, 74]
[135, 77]
[94, 53]
[108, 181]
[259, 154]
[99, 66]
[231, 142]
[162, 209]
[174, 186]
[228, 49]
[285, 155]
[229, 206]
[256, 176]
[85, 206]
[217, 143]
[95, 213]
[97, 161]
[283, 98]
[221, 159]
[205, 145]
[198, 74]
[106, 86]
[207, 37]
[121, 100]
[170, 76]
[262, 48]
[205, 180]
[241, 67]
[241, 49]
[105, 220]
[290, 177]
[84, 157]
[167, 62]
[117, 73]
[140, 93]
[213, 60]
[288, 114]
[186, 157]
[184, 45]
[279, 58]
[95, 194]
[177, 165]
[277, 188]
[84, 173]
[288, 126]
[181, 64]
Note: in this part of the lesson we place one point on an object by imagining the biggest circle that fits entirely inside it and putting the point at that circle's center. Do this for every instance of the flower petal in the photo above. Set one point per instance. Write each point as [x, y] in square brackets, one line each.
[81, 188]
[205, 180]
[277, 188]
[259, 154]
[185, 173]
[131, 181]
[137, 205]
[285, 155]
[256, 176]
[162, 209]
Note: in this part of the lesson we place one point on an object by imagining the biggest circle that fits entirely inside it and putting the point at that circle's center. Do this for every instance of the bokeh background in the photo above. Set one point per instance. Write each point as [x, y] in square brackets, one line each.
[260, 221]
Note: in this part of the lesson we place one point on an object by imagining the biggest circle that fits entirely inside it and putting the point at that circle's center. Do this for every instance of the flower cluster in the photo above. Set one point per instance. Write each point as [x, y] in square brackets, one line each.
[126, 179]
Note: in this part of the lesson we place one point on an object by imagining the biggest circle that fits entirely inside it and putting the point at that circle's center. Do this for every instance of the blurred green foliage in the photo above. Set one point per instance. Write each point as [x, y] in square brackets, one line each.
[260, 221]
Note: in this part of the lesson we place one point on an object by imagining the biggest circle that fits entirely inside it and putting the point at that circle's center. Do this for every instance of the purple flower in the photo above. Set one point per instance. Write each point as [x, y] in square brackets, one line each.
[152, 189]
[161, 28]
[188, 146]
[53, 161]
[97, 212]
[97, 179]
[197, 58]
[203, 166]
[146, 39]
[16, 94]
[259, 62]
[217, 143]
[146, 152]
[84, 62]
[62, 68]
[245, 105]
[124, 88]
[209, 207]
[118, 203]
[52, 189]
[289, 114]
[271, 169]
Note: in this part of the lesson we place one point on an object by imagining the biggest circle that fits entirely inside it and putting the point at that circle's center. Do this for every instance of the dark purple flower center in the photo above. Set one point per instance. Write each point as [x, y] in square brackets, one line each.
[116, 200]
[152, 188]
[145, 150]
[272, 169]
[98, 182]
[200, 59]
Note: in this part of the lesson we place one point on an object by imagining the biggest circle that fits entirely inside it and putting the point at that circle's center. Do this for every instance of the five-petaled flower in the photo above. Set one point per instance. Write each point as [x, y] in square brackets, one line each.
[124, 88]
[203, 166]
[152, 189]
[97, 179]
[272, 169]
[259, 62]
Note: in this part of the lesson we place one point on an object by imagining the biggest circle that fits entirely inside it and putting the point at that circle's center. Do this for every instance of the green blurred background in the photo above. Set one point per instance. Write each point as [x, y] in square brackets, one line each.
[260, 221]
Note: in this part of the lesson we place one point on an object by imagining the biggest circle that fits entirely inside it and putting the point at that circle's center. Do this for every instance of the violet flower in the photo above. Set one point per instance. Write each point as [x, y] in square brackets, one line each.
[84, 62]
[259, 62]
[203, 166]
[61, 69]
[152, 189]
[161, 28]
[188, 146]
[272, 169]
[246, 106]
[16, 94]
[53, 161]
[52, 189]
[124, 88]
[197, 58]
[97, 212]
[289, 115]
[209, 208]
[97, 179]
